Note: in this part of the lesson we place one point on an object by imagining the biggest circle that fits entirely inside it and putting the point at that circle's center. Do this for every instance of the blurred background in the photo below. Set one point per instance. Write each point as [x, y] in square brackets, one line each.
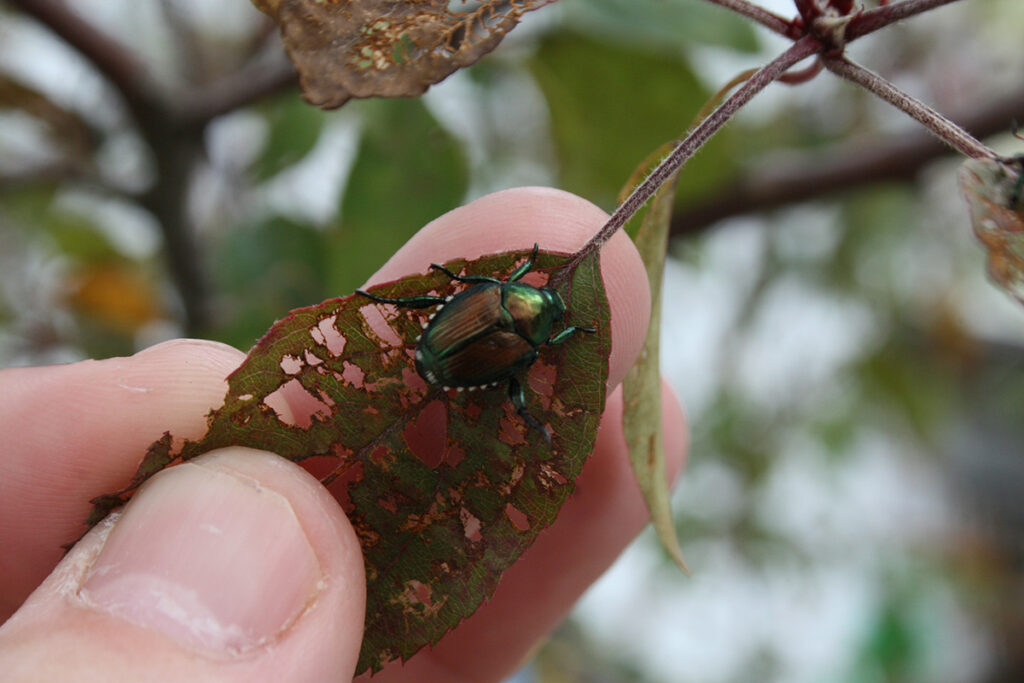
[853, 506]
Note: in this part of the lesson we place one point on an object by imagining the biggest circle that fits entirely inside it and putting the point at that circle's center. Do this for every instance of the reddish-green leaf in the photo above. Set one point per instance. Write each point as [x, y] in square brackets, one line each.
[444, 489]
[994, 195]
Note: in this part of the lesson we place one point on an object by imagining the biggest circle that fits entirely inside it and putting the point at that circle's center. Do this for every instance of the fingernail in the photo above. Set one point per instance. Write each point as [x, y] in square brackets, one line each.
[207, 556]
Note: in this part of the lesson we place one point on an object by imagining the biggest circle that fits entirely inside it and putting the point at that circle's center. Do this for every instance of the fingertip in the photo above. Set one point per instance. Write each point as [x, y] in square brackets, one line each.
[675, 432]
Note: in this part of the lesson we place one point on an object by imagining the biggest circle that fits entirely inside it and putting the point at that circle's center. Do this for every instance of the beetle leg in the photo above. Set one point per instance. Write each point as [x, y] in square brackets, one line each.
[568, 332]
[526, 267]
[409, 302]
[515, 394]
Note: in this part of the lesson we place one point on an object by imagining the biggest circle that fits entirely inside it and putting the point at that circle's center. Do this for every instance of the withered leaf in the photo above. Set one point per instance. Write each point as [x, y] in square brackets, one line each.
[444, 489]
[386, 48]
[992, 188]
[641, 389]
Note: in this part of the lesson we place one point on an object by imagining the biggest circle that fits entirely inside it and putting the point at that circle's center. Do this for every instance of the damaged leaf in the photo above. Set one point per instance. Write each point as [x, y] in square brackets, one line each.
[445, 489]
[357, 48]
[992, 188]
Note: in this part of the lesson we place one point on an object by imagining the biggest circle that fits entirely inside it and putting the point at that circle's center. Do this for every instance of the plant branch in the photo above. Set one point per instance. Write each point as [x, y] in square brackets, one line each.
[946, 130]
[779, 180]
[118, 65]
[172, 128]
[769, 20]
[699, 135]
[880, 17]
[173, 143]
[252, 82]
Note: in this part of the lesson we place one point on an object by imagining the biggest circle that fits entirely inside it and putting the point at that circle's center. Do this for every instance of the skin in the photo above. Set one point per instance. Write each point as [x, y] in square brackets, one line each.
[76, 431]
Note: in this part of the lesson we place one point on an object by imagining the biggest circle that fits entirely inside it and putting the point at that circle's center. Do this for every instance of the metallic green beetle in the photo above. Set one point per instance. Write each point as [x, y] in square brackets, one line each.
[488, 333]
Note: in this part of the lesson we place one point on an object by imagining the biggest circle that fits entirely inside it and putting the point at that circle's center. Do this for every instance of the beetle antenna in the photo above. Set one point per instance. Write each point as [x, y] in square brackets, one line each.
[410, 302]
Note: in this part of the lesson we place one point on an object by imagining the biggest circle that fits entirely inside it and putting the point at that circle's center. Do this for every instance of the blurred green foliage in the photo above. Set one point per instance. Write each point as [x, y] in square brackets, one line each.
[593, 90]
[408, 170]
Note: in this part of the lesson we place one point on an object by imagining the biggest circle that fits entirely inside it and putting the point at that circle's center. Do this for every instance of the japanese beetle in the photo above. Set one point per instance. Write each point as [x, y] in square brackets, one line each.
[488, 333]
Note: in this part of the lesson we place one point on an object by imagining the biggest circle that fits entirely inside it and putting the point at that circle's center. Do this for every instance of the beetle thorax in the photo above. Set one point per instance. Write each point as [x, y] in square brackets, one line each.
[534, 310]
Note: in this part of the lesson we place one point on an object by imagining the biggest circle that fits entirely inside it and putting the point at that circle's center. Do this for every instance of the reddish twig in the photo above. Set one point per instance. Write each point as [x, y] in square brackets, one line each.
[946, 130]
[828, 45]
[780, 180]
[700, 134]
[769, 20]
[871, 20]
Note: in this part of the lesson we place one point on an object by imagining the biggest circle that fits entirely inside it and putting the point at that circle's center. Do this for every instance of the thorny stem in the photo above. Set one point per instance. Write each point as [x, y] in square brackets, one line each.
[769, 20]
[700, 134]
[945, 129]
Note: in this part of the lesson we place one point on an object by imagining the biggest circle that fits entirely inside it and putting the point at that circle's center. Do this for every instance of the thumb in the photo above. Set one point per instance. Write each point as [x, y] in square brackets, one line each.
[236, 566]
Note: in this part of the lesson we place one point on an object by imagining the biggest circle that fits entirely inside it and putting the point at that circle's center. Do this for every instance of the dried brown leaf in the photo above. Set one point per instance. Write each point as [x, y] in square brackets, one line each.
[358, 48]
[992, 189]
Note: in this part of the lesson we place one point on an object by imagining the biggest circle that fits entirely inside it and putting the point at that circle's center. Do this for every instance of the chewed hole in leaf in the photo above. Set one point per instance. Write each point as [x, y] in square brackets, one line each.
[413, 380]
[417, 599]
[518, 518]
[427, 435]
[536, 278]
[470, 525]
[542, 379]
[550, 479]
[352, 375]
[295, 406]
[290, 365]
[382, 457]
[346, 479]
[454, 455]
[512, 431]
[377, 322]
[326, 334]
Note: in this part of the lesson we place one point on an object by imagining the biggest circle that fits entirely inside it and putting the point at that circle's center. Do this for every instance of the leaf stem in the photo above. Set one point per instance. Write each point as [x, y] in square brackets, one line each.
[946, 130]
[700, 134]
[879, 17]
[771, 182]
[769, 20]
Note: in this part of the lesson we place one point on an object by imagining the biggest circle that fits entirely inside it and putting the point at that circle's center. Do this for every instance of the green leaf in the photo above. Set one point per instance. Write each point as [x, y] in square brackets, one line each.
[641, 417]
[295, 127]
[610, 105]
[263, 269]
[78, 237]
[444, 489]
[663, 24]
[408, 170]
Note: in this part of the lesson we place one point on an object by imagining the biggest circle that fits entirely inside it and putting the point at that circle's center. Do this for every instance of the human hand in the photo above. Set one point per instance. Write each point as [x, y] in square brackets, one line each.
[239, 565]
